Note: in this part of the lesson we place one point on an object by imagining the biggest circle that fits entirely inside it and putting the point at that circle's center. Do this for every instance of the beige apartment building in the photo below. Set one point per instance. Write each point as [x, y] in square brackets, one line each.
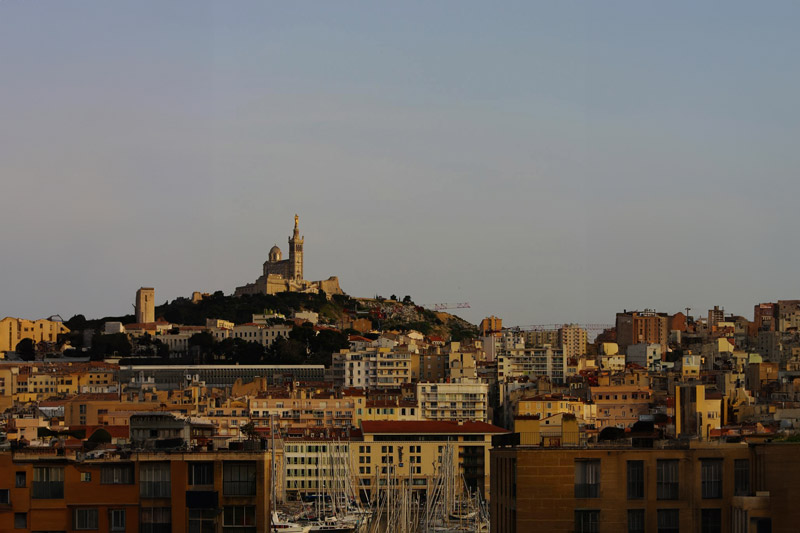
[573, 340]
[375, 368]
[300, 410]
[465, 399]
[413, 450]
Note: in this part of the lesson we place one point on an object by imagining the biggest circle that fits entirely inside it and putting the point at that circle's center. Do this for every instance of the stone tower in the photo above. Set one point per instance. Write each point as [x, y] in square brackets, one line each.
[145, 305]
[296, 253]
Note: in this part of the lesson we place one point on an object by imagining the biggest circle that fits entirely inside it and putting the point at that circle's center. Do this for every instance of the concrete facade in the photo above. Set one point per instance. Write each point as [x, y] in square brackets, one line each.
[721, 487]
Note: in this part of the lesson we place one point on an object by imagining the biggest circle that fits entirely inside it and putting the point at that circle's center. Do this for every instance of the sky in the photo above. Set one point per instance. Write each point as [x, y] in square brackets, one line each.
[546, 162]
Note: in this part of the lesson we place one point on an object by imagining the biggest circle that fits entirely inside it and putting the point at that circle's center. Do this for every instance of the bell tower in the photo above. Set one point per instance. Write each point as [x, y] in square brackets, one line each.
[296, 253]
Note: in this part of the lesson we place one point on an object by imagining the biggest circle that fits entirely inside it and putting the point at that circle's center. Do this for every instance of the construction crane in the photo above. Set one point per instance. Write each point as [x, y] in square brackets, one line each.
[546, 327]
[443, 306]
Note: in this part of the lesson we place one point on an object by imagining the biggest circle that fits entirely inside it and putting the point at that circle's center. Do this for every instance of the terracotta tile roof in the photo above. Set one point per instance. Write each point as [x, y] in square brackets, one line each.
[52, 403]
[429, 426]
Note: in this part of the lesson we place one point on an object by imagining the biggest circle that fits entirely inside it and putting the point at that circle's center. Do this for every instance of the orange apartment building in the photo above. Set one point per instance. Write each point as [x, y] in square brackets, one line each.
[635, 327]
[143, 492]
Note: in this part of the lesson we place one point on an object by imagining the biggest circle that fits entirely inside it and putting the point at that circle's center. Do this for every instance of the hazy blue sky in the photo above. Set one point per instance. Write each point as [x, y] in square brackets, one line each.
[547, 162]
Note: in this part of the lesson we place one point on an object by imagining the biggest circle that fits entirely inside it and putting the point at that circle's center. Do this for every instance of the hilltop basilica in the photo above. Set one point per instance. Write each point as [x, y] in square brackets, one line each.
[286, 275]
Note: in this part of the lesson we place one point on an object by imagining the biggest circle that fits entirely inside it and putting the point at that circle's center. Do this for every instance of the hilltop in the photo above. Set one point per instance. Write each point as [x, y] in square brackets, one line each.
[384, 314]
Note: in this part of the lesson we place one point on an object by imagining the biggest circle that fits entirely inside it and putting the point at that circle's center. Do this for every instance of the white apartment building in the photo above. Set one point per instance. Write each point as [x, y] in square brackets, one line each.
[374, 368]
[538, 361]
[464, 399]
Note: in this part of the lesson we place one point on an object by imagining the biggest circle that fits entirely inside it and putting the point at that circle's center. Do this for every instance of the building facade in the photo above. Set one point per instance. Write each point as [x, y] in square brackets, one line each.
[709, 488]
[147, 492]
[13, 330]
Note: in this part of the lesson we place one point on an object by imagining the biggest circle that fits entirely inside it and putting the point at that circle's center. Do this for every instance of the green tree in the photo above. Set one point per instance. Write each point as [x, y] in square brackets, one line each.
[76, 323]
[26, 349]
[287, 352]
[249, 431]
[113, 344]
[202, 344]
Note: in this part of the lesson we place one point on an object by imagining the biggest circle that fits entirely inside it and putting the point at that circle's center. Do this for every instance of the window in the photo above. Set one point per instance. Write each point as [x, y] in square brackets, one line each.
[667, 479]
[710, 520]
[201, 473]
[48, 482]
[85, 518]
[587, 478]
[21, 479]
[635, 480]
[20, 520]
[668, 521]
[116, 519]
[586, 521]
[120, 474]
[711, 477]
[5, 496]
[239, 479]
[239, 519]
[202, 521]
[154, 480]
[86, 476]
[741, 471]
[155, 520]
[635, 520]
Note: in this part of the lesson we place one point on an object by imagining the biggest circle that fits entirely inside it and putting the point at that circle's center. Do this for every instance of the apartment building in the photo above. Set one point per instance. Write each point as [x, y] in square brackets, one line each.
[313, 466]
[707, 488]
[537, 361]
[620, 405]
[372, 368]
[572, 339]
[147, 492]
[634, 327]
[302, 410]
[698, 411]
[465, 399]
[413, 450]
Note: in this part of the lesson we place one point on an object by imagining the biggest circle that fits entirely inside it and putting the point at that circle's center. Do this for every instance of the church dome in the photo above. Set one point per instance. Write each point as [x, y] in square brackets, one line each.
[275, 254]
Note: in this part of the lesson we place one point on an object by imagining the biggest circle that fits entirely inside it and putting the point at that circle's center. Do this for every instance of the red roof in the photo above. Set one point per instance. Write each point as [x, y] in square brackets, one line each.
[428, 426]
